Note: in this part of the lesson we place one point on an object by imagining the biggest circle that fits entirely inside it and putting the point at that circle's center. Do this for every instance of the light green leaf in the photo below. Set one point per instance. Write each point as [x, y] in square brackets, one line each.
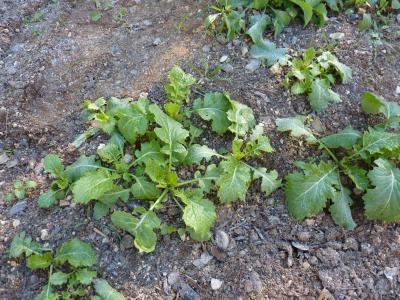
[196, 153]
[308, 192]
[234, 23]
[81, 166]
[84, 276]
[22, 243]
[149, 151]
[39, 261]
[327, 59]
[374, 104]
[259, 23]
[267, 52]
[346, 138]
[46, 294]
[58, 278]
[269, 180]
[109, 153]
[281, 20]
[340, 209]
[241, 117]
[76, 253]
[321, 95]
[53, 165]
[50, 197]
[214, 107]
[178, 88]
[142, 189]
[234, 181]
[365, 23]
[358, 176]
[383, 201]
[296, 127]
[212, 174]
[376, 141]
[258, 142]
[131, 123]
[306, 8]
[92, 186]
[106, 292]
[210, 20]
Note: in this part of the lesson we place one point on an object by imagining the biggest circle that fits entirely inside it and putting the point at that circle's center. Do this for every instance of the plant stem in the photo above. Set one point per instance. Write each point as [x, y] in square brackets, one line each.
[159, 199]
[195, 180]
[329, 152]
[177, 202]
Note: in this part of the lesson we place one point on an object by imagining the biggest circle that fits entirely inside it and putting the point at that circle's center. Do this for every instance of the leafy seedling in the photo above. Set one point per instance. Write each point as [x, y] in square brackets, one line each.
[367, 159]
[20, 189]
[69, 269]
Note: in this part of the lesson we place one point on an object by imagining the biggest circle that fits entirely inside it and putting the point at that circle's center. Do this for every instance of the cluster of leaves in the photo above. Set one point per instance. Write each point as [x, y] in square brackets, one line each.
[365, 161]
[231, 15]
[375, 13]
[20, 189]
[314, 75]
[69, 269]
[148, 151]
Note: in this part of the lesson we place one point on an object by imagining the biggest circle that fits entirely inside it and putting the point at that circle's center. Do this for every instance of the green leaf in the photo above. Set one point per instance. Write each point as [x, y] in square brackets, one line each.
[327, 59]
[296, 127]
[259, 4]
[346, 138]
[58, 278]
[142, 229]
[47, 294]
[198, 213]
[106, 292]
[53, 165]
[178, 88]
[376, 141]
[365, 23]
[281, 20]
[39, 261]
[20, 193]
[109, 153]
[321, 95]
[142, 189]
[214, 107]
[212, 174]
[84, 276]
[92, 186]
[358, 176]
[171, 132]
[340, 209]
[30, 184]
[306, 8]
[76, 253]
[258, 143]
[23, 243]
[234, 24]
[196, 153]
[81, 166]
[269, 180]
[95, 15]
[157, 171]
[383, 201]
[131, 123]
[374, 104]
[308, 192]
[241, 117]
[50, 198]
[149, 151]
[234, 181]
[210, 20]
[259, 23]
[266, 51]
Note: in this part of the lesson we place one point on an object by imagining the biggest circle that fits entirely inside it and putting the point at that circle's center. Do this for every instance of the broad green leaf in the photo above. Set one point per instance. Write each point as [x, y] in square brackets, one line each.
[374, 104]
[58, 278]
[196, 153]
[256, 31]
[53, 165]
[106, 292]
[234, 181]
[358, 176]
[259, 4]
[306, 8]
[346, 138]
[84, 276]
[81, 166]
[149, 151]
[340, 209]
[383, 201]
[210, 20]
[157, 171]
[327, 59]
[178, 88]
[266, 51]
[132, 123]
[211, 175]
[100, 210]
[269, 180]
[22, 243]
[320, 11]
[281, 20]
[170, 132]
[234, 23]
[296, 127]
[76, 253]
[198, 213]
[308, 192]
[50, 198]
[109, 153]
[47, 293]
[376, 141]
[92, 186]
[321, 95]
[241, 117]
[213, 108]
[39, 261]
[365, 23]
[142, 189]
[258, 142]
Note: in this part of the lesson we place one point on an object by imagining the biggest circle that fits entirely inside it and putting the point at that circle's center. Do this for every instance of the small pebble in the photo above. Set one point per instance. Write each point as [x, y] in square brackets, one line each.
[337, 36]
[203, 260]
[390, 273]
[244, 50]
[222, 240]
[157, 41]
[3, 158]
[17, 208]
[216, 284]
[12, 163]
[223, 58]
[16, 223]
[44, 234]
[398, 90]
[253, 65]
[227, 68]
[173, 278]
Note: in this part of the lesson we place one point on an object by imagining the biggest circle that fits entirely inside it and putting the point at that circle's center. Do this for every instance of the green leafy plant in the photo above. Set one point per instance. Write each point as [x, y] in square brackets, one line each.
[314, 75]
[101, 6]
[34, 18]
[69, 269]
[154, 160]
[362, 162]
[20, 189]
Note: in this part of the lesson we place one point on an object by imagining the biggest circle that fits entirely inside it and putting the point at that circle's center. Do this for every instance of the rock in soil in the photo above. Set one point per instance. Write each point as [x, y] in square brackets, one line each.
[215, 284]
[17, 208]
[222, 240]
[204, 259]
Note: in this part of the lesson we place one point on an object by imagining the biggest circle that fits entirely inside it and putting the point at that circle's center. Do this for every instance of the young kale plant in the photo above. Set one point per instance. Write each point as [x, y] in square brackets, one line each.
[146, 155]
[20, 189]
[69, 269]
[362, 162]
[314, 75]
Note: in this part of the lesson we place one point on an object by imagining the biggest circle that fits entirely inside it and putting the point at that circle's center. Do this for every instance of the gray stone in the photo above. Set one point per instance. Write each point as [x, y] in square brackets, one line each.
[351, 244]
[206, 48]
[127, 241]
[157, 41]
[187, 293]
[227, 68]
[398, 18]
[223, 58]
[256, 282]
[253, 65]
[390, 273]
[329, 256]
[173, 278]
[215, 284]
[222, 240]
[12, 163]
[204, 259]
[17, 208]
[3, 158]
